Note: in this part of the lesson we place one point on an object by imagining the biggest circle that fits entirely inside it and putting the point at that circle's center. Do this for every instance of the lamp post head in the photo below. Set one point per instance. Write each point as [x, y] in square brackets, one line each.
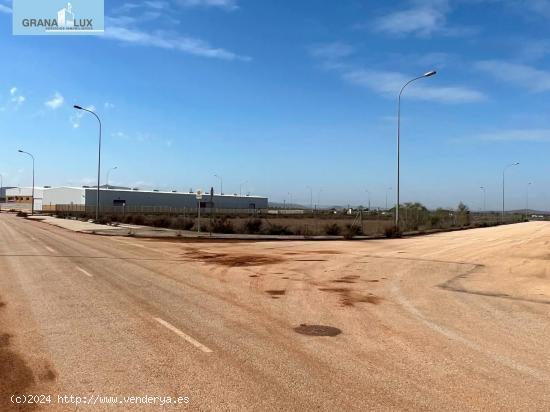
[77, 107]
[20, 151]
[516, 164]
[430, 73]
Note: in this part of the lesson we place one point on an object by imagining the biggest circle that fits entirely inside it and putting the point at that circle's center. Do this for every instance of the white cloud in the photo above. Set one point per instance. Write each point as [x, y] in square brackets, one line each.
[16, 98]
[143, 12]
[224, 4]
[388, 85]
[167, 41]
[534, 80]
[517, 135]
[165, 5]
[541, 7]
[331, 51]
[423, 18]
[77, 116]
[422, 21]
[108, 105]
[534, 49]
[5, 9]
[120, 135]
[158, 5]
[55, 102]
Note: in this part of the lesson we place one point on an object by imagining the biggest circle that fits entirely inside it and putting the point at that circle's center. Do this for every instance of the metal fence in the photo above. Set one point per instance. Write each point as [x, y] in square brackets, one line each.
[15, 206]
[145, 210]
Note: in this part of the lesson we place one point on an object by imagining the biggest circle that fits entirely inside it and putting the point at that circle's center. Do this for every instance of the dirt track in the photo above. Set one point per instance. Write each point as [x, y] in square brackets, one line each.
[451, 321]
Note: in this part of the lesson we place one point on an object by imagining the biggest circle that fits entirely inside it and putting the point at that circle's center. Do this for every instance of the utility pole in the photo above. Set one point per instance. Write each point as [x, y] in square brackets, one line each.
[98, 159]
[527, 199]
[221, 183]
[108, 173]
[310, 198]
[428, 74]
[503, 174]
[32, 196]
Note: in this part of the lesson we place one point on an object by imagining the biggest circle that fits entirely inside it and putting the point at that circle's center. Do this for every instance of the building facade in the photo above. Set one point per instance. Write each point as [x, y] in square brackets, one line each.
[120, 198]
[23, 195]
[3, 197]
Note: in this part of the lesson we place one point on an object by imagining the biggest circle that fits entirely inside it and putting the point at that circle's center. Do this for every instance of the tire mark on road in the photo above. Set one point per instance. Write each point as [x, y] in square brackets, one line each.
[454, 336]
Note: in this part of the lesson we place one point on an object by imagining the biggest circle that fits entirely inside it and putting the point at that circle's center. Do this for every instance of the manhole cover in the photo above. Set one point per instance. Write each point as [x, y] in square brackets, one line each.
[317, 330]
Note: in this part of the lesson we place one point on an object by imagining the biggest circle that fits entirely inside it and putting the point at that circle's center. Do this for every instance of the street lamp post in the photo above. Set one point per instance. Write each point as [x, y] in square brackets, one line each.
[108, 172]
[503, 173]
[484, 198]
[32, 196]
[241, 187]
[2, 186]
[527, 199]
[98, 159]
[310, 198]
[368, 194]
[428, 74]
[387, 190]
[221, 183]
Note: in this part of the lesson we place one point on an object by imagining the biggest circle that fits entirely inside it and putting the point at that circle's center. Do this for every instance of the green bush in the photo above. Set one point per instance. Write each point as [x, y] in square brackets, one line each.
[392, 232]
[222, 225]
[276, 229]
[181, 223]
[333, 229]
[352, 230]
[435, 220]
[302, 230]
[252, 226]
[104, 220]
[161, 221]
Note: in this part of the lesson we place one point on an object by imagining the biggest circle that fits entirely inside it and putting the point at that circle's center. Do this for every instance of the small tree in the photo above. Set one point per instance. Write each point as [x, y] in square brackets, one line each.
[463, 214]
[414, 215]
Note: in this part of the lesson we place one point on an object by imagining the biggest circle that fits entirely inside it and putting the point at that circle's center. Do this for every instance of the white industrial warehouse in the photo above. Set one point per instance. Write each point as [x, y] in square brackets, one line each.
[86, 197]
[23, 195]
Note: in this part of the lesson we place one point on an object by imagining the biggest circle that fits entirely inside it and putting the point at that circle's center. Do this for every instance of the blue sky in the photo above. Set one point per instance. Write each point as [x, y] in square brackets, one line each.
[289, 95]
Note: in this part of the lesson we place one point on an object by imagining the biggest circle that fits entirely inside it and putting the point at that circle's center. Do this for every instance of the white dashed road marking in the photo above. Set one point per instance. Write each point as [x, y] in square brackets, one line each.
[183, 335]
[50, 249]
[83, 271]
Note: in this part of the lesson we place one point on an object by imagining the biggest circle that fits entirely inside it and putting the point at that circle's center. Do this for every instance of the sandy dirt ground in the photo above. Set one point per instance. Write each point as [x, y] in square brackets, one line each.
[453, 321]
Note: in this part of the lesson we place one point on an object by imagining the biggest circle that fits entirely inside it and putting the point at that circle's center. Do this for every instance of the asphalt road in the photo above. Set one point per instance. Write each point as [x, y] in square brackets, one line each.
[455, 321]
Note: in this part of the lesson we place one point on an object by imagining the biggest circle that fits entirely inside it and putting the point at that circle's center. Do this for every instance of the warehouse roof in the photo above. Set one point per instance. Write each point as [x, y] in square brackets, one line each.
[175, 192]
